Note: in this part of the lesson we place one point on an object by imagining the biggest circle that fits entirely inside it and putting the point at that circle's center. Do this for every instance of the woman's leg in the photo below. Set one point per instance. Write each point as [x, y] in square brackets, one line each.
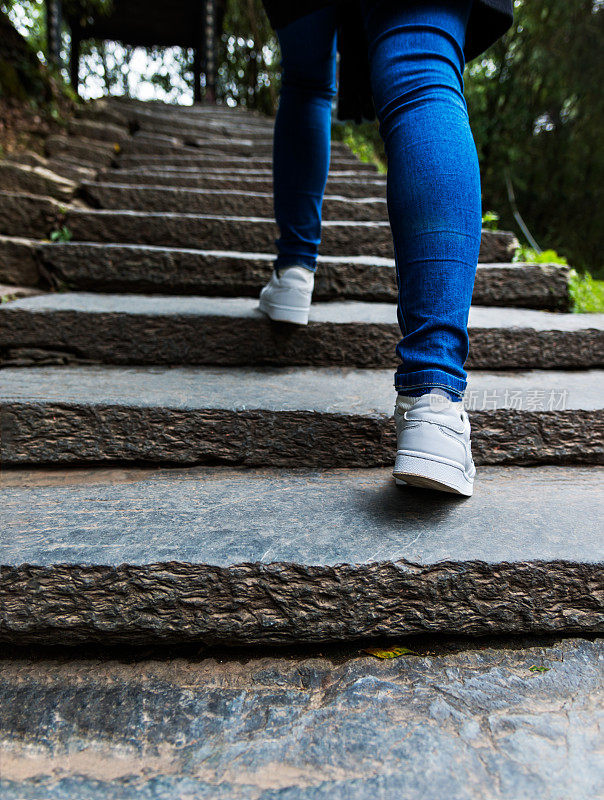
[416, 58]
[303, 135]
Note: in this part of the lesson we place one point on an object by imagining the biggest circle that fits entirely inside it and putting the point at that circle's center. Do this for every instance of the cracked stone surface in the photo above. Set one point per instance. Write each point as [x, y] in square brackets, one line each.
[461, 725]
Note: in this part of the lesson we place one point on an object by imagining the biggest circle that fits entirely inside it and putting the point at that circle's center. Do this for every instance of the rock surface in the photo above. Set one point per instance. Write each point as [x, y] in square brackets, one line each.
[19, 261]
[459, 725]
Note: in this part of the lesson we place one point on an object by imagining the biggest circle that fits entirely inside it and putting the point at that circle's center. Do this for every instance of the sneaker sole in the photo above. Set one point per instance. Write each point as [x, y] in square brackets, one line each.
[430, 474]
[296, 316]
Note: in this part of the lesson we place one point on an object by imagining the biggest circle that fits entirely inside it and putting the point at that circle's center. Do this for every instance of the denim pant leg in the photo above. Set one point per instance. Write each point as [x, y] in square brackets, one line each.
[302, 139]
[417, 62]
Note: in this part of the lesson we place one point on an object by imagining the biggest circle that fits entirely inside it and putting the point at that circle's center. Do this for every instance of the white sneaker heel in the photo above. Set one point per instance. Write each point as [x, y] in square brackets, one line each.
[286, 297]
[433, 444]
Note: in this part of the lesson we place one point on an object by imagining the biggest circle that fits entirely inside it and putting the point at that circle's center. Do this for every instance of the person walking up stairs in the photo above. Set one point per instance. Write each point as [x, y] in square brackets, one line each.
[181, 470]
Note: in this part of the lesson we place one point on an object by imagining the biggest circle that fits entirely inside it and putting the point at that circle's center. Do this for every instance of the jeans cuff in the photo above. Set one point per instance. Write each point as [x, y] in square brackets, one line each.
[308, 262]
[429, 379]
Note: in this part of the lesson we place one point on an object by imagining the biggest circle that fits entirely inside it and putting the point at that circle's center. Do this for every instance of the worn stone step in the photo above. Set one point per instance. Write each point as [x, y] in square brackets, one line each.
[131, 268]
[35, 217]
[194, 114]
[288, 417]
[58, 166]
[103, 112]
[143, 146]
[155, 144]
[186, 129]
[20, 261]
[145, 150]
[35, 180]
[232, 167]
[218, 159]
[453, 721]
[233, 202]
[198, 111]
[98, 131]
[236, 119]
[82, 151]
[220, 555]
[347, 184]
[143, 329]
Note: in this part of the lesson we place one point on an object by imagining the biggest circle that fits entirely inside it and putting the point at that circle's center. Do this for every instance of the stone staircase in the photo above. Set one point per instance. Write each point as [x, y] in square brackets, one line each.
[177, 469]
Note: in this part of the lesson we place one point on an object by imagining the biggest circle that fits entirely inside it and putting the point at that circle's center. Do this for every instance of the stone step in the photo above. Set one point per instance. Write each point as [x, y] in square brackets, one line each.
[235, 167]
[214, 160]
[35, 217]
[256, 417]
[103, 112]
[58, 166]
[453, 721]
[144, 329]
[146, 118]
[135, 151]
[82, 151]
[233, 202]
[220, 555]
[20, 261]
[35, 180]
[186, 129]
[156, 144]
[98, 131]
[165, 270]
[347, 184]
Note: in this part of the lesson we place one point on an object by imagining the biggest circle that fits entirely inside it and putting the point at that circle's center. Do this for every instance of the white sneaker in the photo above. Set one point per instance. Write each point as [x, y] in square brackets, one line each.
[433, 444]
[286, 297]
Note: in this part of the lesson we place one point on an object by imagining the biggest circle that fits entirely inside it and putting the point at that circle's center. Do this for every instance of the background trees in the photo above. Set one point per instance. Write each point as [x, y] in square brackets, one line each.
[537, 110]
[535, 101]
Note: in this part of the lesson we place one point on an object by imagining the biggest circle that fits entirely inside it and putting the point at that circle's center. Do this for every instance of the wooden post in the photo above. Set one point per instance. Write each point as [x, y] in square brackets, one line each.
[74, 58]
[210, 50]
[197, 98]
[53, 32]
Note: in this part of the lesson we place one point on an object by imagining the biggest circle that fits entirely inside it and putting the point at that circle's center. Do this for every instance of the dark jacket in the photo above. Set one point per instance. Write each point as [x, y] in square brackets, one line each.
[489, 19]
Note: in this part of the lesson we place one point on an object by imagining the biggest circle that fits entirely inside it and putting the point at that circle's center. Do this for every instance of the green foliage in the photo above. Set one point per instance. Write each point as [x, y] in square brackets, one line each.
[86, 8]
[587, 293]
[490, 220]
[63, 234]
[537, 108]
[364, 140]
[248, 58]
[544, 257]
[391, 652]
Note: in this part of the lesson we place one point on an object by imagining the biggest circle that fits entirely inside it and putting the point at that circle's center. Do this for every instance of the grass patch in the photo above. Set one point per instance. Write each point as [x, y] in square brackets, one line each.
[587, 293]
[544, 257]
[364, 140]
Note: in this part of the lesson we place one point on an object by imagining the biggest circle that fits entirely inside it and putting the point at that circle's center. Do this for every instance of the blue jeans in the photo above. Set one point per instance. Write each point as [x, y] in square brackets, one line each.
[416, 60]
